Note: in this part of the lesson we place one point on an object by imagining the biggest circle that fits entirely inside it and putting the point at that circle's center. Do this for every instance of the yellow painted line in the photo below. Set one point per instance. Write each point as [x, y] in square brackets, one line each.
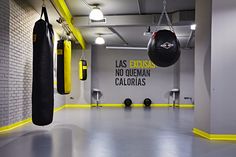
[59, 108]
[220, 137]
[23, 122]
[133, 105]
[108, 105]
[201, 133]
[77, 106]
[15, 125]
[185, 105]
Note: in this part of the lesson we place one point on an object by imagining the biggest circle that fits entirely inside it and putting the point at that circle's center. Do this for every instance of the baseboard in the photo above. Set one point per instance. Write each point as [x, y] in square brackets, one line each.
[217, 137]
[133, 105]
[23, 122]
[185, 105]
[15, 125]
[77, 106]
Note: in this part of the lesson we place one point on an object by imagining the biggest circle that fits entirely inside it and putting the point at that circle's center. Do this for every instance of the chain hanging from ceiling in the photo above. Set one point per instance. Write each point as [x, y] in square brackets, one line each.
[164, 13]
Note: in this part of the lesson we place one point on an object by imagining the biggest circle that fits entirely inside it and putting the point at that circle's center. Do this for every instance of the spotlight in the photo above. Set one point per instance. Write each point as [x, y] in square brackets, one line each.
[96, 14]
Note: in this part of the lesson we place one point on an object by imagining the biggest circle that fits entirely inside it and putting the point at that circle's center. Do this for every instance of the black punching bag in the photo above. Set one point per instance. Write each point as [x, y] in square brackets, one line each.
[42, 93]
[164, 48]
[64, 67]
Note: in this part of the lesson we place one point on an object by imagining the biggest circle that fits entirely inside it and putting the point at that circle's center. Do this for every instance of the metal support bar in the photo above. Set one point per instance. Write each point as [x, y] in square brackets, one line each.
[118, 34]
[139, 8]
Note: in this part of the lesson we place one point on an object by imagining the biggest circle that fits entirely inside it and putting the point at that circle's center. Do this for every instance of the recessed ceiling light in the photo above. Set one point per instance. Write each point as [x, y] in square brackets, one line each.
[99, 40]
[96, 14]
[193, 27]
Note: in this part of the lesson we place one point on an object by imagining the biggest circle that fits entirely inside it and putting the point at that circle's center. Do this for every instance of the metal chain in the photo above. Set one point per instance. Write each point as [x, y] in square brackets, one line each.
[164, 12]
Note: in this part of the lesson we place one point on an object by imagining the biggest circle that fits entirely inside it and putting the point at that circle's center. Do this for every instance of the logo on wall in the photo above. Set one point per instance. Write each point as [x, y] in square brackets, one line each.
[132, 72]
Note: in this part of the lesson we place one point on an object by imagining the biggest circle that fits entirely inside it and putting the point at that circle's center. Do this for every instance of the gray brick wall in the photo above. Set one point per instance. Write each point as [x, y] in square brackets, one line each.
[22, 19]
[16, 60]
[4, 61]
[16, 28]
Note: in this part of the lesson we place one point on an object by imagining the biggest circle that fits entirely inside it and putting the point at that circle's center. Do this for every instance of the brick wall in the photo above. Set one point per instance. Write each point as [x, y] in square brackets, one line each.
[22, 19]
[16, 28]
[16, 49]
[4, 60]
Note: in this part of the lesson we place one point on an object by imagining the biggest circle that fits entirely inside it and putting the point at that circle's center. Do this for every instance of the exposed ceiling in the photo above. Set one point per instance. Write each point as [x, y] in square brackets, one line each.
[131, 34]
[126, 7]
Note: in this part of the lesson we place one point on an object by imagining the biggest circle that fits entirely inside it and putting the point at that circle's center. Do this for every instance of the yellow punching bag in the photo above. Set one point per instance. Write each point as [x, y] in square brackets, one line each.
[83, 69]
[64, 66]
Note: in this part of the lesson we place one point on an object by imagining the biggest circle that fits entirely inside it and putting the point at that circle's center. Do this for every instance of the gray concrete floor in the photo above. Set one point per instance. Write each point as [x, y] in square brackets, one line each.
[159, 132]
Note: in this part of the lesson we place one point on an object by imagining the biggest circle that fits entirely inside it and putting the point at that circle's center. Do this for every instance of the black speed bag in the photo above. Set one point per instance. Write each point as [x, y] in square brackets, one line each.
[42, 92]
[163, 48]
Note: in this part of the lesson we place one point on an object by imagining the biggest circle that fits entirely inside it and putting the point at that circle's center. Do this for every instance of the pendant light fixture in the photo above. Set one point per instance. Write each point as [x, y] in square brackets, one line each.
[96, 14]
[99, 40]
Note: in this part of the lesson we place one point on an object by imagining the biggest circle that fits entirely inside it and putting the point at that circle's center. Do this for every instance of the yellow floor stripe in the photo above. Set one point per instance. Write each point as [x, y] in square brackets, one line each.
[77, 106]
[219, 137]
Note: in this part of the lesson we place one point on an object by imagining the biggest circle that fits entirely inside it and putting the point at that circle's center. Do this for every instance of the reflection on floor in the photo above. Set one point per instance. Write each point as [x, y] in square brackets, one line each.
[104, 132]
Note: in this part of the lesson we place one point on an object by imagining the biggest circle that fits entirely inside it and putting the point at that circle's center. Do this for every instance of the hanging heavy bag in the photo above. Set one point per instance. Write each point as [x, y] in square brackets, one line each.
[42, 92]
[163, 48]
[63, 66]
[83, 70]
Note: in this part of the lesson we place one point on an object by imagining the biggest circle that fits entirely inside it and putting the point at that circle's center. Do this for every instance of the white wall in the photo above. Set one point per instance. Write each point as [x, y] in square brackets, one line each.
[186, 76]
[223, 86]
[202, 65]
[80, 90]
[103, 63]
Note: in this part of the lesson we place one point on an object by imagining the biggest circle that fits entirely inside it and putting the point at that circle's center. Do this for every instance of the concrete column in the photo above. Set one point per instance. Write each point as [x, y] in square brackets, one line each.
[215, 58]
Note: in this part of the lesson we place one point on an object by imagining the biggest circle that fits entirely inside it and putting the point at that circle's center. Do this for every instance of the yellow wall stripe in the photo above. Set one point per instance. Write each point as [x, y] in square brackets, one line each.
[220, 137]
[15, 125]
